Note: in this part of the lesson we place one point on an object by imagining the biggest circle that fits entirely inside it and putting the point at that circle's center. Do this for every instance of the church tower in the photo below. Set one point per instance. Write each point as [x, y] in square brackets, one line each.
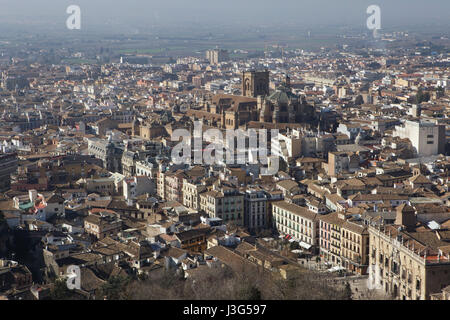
[255, 83]
[135, 128]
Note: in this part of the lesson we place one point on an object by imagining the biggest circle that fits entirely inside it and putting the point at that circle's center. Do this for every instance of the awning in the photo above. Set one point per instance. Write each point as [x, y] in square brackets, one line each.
[305, 245]
[336, 268]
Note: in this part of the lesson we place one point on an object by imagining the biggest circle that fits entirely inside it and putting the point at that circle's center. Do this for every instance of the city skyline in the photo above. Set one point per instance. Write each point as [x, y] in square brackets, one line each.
[254, 154]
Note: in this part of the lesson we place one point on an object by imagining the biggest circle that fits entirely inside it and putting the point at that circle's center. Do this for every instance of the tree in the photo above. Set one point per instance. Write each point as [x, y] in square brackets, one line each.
[249, 292]
[421, 96]
[114, 288]
[223, 283]
[60, 291]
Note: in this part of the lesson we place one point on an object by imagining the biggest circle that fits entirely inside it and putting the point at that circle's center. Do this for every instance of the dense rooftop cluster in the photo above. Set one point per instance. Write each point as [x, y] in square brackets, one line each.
[87, 176]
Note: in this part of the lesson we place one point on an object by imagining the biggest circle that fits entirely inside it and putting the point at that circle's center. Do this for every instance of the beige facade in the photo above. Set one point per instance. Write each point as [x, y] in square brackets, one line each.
[191, 194]
[170, 185]
[216, 56]
[401, 265]
[151, 131]
[330, 237]
[225, 204]
[101, 185]
[102, 226]
[355, 247]
[342, 161]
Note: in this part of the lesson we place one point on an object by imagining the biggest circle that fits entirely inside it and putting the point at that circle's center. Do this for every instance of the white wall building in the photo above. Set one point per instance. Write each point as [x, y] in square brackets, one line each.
[136, 186]
[423, 135]
[289, 146]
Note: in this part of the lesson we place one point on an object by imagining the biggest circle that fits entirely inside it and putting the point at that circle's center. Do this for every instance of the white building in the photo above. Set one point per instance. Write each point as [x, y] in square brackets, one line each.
[289, 145]
[145, 168]
[424, 136]
[297, 222]
[136, 186]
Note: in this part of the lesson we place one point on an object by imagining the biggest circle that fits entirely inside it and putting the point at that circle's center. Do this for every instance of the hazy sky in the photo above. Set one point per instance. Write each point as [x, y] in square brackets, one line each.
[142, 14]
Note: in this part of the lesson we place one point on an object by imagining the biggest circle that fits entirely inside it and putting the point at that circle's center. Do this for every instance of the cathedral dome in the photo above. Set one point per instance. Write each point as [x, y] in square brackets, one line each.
[282, 95]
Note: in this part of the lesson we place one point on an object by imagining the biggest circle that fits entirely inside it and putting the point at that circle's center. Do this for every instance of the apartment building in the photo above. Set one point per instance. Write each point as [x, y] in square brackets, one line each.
[330, 226]
[255, 216]
[8, 165]
[193, 240]
[170, 185]
[226, 203]
[297, 222]
[342, 161]
[136, 186]
[355, 246]
[289, 146]
[191, 193]
[216, 56]
[146, 168]
[170, 182]
[344, 242]
[102, 224]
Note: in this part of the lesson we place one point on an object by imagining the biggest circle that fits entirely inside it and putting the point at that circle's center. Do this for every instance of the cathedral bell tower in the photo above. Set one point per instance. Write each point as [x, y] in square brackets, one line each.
[255, 83]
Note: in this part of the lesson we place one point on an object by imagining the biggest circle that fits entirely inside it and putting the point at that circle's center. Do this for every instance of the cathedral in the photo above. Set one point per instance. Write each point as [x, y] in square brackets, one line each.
[256, 104]
[283, 106]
